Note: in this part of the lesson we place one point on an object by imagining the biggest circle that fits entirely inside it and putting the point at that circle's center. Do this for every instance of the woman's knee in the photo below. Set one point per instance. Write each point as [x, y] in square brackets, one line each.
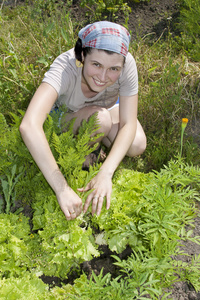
[137, 148]
[104, 120]
[139, 145]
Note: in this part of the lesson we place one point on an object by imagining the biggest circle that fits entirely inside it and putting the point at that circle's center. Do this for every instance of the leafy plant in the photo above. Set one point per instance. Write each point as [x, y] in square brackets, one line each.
[163, 103]
[160, 206]
[28, 286]
[23, 61]
[14, 235]
[189, 26]
[8, 184]
[100, 9]
[183, 126]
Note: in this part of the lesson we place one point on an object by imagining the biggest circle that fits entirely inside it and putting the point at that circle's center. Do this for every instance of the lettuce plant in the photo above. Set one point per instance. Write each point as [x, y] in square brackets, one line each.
[14, 237]
[27, 287]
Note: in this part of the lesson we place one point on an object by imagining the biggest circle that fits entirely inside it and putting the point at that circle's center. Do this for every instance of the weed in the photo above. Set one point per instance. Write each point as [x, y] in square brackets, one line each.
[109, 9]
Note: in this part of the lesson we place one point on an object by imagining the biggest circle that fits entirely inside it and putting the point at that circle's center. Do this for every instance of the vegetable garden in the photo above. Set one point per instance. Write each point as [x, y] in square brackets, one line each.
[155, 197]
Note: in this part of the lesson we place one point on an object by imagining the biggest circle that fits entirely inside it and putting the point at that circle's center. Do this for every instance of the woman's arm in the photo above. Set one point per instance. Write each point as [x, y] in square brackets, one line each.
[126, 133]
[102, 183]
[34, 137]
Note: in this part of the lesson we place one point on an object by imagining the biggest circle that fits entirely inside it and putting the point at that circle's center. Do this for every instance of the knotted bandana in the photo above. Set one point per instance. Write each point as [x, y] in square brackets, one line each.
[106, 35]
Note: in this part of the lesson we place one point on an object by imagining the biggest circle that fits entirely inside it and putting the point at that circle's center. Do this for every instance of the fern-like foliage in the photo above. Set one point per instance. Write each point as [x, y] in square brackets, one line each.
[68, 149]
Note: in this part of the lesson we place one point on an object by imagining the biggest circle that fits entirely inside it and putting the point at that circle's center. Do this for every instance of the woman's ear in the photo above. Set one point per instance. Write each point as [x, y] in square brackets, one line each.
[82, 56]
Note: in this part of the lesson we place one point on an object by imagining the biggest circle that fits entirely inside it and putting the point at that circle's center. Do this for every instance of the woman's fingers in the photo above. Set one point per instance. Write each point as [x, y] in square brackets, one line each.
[70, 203]
[101, 187]
[94, 204]
[100, 204]
[72, 213]
[108, 201]
[97, 203]
[87, 202]
[84, 189]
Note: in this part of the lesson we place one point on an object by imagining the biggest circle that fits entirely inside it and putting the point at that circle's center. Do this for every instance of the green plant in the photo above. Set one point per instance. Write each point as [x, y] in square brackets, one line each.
[8, 182]
[159, 203]
[28, 47]
[192, 272]
[100, 9]
[14, 236]
[189, 26]
[141, 274]
[183, 126]
[28, 286]
[164, 103]
[63, 245]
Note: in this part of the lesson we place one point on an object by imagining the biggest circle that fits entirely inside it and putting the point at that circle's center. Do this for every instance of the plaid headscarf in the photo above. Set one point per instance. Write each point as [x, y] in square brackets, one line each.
[106, 35]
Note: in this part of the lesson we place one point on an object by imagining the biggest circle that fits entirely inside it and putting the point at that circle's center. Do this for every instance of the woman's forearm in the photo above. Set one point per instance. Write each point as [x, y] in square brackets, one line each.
[36, 142]
[119, 149]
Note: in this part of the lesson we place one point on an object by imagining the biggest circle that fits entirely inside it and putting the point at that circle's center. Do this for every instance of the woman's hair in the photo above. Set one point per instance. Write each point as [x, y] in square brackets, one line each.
[79, 49]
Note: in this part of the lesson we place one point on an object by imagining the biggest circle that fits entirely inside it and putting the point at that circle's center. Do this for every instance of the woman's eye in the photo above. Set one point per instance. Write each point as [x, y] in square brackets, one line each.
[114, 69]
[96, 64]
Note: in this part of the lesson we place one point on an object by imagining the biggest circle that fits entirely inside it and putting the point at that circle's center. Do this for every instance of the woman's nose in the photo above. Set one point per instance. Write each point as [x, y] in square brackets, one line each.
[102, 75]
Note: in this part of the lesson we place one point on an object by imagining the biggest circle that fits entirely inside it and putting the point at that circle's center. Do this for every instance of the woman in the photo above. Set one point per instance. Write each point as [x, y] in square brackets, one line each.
[89, 79]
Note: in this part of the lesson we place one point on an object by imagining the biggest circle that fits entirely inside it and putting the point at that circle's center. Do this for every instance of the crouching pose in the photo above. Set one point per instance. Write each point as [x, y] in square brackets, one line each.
[98, 75]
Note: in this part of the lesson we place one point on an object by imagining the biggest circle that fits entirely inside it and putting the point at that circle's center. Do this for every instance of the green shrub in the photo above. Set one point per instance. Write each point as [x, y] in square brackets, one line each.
[189, 26]
[109, 9]
[29, 43]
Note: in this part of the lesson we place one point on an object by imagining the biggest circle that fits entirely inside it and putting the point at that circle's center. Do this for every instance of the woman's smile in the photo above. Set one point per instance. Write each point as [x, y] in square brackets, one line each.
[98, 83]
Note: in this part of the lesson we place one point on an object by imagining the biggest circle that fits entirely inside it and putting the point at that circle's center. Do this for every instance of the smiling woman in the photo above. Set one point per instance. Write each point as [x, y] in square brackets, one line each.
[88, 79]
[98, 75]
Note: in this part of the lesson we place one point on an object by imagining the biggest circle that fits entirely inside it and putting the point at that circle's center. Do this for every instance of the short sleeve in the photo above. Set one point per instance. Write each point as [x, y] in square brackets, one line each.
[129, 78]
[61, 74]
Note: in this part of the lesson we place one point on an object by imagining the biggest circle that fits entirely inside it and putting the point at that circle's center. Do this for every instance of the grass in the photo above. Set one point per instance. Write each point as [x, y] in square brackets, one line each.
[33, 36]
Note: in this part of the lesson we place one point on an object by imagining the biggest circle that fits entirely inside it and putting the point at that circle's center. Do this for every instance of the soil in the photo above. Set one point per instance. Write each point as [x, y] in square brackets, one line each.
[146, 18]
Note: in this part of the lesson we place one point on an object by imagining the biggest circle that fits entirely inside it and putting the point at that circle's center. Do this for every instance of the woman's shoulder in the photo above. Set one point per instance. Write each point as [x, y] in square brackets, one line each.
[130, 58]
[63, 72]
[130, 65]
[66, 58]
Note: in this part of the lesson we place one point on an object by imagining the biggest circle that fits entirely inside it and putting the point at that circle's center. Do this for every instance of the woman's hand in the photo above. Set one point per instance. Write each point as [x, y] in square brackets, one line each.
[70, 203]
[101, 186]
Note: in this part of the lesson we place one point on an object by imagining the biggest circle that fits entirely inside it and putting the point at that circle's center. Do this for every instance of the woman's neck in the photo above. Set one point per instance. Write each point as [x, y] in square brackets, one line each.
[87, 92]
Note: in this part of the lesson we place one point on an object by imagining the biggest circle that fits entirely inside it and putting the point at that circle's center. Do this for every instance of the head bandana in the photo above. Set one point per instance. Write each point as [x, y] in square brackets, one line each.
[106, 35]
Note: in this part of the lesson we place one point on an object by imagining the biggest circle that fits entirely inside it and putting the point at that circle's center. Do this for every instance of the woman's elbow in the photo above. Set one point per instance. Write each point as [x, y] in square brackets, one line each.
[23, 128]
[26, 127]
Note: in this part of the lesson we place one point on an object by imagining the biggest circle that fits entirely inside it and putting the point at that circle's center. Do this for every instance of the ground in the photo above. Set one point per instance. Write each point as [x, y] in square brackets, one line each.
[150, 17]
[146, 17]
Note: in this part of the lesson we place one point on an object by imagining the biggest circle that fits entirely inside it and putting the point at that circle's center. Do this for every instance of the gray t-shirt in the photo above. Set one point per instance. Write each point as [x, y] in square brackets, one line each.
[65, 77]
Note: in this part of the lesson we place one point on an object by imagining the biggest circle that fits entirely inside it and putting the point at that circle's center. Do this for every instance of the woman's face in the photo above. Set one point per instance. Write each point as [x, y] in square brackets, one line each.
[101, 70]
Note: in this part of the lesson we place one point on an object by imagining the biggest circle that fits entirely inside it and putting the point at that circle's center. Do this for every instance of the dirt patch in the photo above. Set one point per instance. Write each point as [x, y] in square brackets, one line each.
[183, 290]
[153, 17]
[146, 17]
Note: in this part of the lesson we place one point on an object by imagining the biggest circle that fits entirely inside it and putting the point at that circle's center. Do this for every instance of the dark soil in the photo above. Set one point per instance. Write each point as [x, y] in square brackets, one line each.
[153, 18]
[147, 17]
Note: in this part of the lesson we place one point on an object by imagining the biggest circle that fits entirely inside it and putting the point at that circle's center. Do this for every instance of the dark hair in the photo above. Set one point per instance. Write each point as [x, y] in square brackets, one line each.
[78, 49]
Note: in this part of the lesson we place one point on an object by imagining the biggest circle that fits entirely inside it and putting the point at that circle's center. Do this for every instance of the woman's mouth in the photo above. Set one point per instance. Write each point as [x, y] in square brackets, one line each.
[99, 83]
